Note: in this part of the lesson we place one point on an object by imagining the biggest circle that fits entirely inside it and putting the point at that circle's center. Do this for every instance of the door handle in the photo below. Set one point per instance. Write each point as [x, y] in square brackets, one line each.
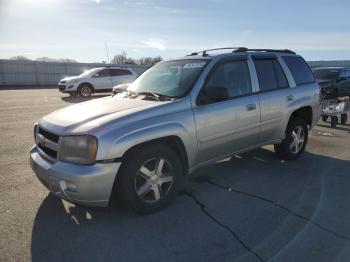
[250, 107]
[290, 98]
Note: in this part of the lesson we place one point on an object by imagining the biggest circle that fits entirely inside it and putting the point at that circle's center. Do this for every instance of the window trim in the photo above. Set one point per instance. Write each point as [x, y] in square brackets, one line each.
[212, 71]
[284, 73]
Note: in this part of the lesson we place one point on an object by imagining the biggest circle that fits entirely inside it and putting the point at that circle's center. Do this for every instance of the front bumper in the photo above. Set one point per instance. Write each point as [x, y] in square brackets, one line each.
[93, 183]
[67, 87]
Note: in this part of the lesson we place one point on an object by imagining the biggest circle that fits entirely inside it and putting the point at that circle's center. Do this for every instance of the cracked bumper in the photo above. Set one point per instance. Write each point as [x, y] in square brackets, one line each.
[92, 184]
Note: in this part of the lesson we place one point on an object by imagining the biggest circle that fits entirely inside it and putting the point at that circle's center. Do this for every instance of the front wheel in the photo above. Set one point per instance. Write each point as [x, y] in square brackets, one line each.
[293, 146]
[149, 178]
[85, 91]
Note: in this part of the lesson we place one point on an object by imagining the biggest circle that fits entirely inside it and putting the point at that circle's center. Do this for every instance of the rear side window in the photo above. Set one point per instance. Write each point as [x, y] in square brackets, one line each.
[120, 72]
[266, 74]
[270, 74]
[300, 70]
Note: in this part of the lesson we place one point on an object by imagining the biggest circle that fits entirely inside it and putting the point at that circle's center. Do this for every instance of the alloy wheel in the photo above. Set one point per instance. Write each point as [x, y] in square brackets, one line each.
[298, 137]
[154, 180]
[85, 91]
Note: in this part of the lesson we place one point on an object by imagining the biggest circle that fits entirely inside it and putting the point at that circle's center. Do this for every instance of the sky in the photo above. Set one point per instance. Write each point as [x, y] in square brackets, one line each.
[79, 29]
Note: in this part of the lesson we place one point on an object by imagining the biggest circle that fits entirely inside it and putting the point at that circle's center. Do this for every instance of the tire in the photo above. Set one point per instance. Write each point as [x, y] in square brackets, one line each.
[139, 186]
[343, 119]
[85, 90]
[293, 146]
[334, 121]
[324, 118]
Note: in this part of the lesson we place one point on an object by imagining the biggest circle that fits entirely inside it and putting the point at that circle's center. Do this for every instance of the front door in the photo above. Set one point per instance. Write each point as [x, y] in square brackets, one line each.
[228, 126]
[102, 80]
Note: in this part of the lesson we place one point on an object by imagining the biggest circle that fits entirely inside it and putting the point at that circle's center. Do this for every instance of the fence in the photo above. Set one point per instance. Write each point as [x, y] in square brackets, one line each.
[344, 63]
[35, 73]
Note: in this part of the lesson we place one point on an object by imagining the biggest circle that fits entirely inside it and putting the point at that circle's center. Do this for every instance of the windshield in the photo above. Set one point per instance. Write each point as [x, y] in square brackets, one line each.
[90, 71]
[326, 74]
[170, 78]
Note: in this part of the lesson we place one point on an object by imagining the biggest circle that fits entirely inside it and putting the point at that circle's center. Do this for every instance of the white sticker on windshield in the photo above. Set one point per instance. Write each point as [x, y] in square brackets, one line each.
[194, 65]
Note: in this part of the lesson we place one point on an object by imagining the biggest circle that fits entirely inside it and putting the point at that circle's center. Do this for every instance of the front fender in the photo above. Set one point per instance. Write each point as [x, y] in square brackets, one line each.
[122, 144]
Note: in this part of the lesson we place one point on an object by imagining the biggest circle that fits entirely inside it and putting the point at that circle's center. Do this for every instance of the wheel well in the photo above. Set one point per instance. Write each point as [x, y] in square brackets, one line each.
[88, 84]
[304, 113]
[172, 142]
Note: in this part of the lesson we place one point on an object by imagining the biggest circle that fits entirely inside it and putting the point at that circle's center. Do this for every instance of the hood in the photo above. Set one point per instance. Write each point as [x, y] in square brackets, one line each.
[70, 78]
[85, 116]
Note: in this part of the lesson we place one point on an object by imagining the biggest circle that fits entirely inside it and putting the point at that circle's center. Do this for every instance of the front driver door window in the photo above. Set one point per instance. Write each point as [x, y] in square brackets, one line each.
[228, 126]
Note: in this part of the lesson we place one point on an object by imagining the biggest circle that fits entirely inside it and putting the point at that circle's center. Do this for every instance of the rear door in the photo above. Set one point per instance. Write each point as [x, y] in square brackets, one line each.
[228, 126]
[274, 95]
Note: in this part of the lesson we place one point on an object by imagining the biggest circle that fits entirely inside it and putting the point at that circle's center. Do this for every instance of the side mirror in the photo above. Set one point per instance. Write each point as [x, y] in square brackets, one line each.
[96, 75]
[214, 94]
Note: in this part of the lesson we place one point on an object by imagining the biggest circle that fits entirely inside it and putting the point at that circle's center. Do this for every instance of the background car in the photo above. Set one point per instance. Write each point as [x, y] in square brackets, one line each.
[334, 81]
[100, 79]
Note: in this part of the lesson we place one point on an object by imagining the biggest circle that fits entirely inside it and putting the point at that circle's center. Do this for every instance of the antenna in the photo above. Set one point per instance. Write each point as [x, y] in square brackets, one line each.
[107, 52]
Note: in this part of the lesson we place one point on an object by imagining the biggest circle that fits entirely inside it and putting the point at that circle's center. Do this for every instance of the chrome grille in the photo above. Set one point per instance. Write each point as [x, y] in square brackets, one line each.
[47, 143]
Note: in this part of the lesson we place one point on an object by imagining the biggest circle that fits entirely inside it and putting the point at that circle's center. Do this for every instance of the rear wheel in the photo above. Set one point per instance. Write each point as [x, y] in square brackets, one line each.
[293, 146]
[149, 178]
[85, 90]
[334, 121]
[343, 118]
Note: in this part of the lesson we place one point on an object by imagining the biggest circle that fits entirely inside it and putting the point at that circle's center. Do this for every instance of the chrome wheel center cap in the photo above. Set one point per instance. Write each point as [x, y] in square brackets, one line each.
[155, 179]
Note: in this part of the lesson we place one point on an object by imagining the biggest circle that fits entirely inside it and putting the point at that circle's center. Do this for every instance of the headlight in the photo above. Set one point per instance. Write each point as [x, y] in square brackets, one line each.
[78, 149]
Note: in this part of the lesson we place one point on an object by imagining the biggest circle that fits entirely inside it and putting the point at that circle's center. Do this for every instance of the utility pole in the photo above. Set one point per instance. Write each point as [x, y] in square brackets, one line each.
[107, 52]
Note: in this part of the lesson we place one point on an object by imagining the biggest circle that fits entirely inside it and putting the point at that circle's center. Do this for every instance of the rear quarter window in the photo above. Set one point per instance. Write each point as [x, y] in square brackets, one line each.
[300, 70]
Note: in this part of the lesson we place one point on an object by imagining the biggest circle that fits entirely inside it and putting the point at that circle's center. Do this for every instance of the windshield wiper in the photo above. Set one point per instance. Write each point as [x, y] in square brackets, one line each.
[155, 95]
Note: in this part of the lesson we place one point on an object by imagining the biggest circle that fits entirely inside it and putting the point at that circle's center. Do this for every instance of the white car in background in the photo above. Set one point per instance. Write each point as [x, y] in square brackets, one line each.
[101, 79]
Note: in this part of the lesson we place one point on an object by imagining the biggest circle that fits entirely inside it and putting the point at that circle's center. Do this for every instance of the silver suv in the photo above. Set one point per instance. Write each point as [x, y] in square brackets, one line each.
[95, 80]
[177, 116]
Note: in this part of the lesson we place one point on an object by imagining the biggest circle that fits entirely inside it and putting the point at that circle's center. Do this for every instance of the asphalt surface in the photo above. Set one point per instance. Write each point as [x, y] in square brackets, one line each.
[252, 207]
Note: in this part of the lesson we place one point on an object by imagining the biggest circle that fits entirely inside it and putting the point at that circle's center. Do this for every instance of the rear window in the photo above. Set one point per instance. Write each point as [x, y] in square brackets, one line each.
[300, 70]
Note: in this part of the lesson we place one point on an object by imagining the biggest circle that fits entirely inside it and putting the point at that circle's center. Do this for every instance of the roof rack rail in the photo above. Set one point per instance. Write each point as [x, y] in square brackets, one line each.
[244, 49]
[204, 52]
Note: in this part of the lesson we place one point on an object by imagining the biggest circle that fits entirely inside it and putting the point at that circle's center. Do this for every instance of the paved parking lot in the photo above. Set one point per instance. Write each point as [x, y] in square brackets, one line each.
[252, 207]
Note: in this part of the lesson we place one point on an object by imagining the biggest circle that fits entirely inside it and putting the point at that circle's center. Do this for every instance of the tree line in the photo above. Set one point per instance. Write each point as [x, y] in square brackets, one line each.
[121, 58]
[125, 60]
